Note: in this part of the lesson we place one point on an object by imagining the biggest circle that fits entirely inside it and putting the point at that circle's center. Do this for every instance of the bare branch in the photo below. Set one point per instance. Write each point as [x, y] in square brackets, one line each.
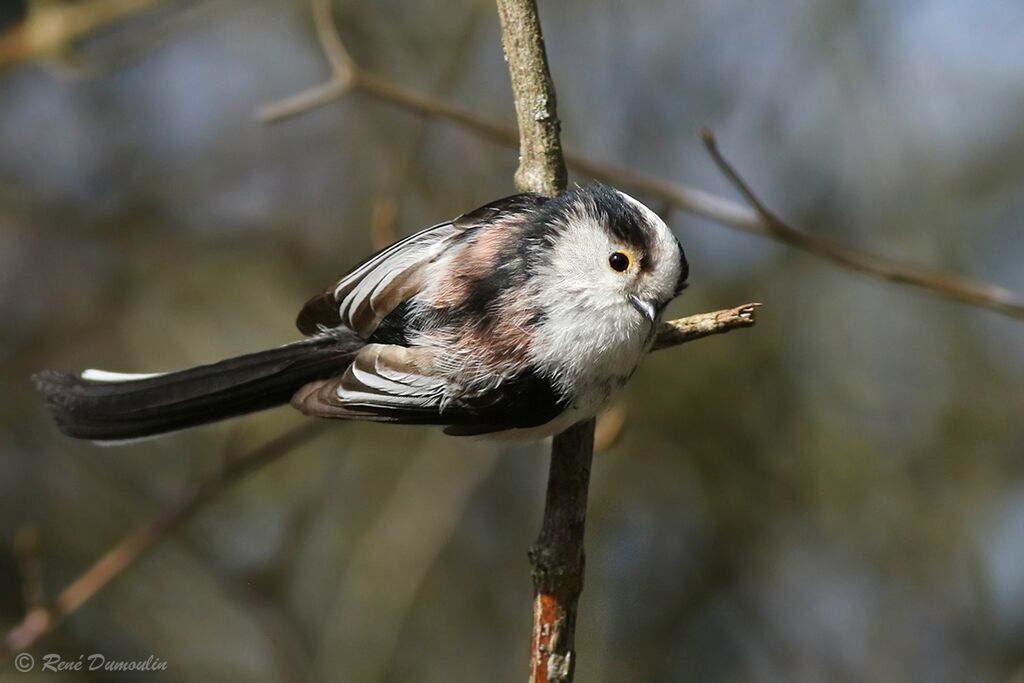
[948, 284]
[330, 41]
[42, 619]
[757, 220]
[541, 164]
[557, 556]
[304, 101]
[344, 72]
[691, 328]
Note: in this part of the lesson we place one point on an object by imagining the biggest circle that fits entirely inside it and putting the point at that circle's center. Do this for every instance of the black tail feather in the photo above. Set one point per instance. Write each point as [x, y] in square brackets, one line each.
[136, 408]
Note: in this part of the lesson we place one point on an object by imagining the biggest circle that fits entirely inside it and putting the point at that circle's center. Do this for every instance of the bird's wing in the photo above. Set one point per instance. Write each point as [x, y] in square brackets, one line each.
[389, 383]
[374, 288]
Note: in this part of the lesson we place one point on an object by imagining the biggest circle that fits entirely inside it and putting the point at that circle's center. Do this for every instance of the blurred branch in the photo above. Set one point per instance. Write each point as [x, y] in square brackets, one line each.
[26, 552]
[384, 222]
[608, 427]
[42, 619]
[948, 284]
[135, 45]
[393, 557]
[348, 76]
[51, 27]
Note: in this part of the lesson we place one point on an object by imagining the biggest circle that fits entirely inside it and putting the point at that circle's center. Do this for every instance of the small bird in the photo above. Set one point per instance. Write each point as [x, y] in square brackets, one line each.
[516, 320]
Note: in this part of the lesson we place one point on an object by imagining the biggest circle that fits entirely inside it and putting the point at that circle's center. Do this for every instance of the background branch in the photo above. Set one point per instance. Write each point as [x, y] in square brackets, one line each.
[41, 619]
[755, 219]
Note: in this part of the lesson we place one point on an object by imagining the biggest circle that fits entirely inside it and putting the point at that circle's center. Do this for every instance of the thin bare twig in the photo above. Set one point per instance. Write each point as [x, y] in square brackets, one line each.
[42, 619]
[342, 64]
[756, 220]
[948, 284]
[695, 327]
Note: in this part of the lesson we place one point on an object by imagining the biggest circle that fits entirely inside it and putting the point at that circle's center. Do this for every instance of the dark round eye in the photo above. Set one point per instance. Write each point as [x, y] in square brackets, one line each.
[619, 261]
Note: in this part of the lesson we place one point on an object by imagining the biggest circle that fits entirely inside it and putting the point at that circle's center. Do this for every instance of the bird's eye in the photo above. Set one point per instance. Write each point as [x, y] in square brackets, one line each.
[619, 261]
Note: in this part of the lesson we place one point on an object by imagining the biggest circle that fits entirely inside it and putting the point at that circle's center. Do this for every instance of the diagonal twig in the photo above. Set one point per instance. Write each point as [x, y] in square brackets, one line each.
[948, 284]
[691, 328]
[42, 619]
[342, 64]
[757, 220]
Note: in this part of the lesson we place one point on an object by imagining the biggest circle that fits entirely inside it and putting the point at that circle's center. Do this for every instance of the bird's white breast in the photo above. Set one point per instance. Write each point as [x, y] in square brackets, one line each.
[591, 353]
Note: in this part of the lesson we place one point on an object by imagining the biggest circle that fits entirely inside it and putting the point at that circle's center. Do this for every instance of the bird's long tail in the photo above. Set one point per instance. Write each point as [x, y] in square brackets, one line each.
[111, 407]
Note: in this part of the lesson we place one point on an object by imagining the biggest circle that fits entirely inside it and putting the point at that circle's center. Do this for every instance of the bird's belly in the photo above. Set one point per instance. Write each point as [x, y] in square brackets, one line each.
[603, 366]
[593, 374]
[594, 390]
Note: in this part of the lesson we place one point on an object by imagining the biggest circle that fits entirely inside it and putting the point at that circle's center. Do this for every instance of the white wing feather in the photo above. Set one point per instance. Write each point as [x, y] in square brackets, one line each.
[367, 295]
[393, 377]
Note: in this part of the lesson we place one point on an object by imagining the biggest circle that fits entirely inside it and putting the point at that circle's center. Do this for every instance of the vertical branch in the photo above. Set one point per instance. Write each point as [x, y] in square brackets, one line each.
[541, 163]
[557, 556]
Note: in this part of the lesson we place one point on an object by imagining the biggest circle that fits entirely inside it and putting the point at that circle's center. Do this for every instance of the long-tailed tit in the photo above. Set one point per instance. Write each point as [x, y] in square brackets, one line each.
[519, 318]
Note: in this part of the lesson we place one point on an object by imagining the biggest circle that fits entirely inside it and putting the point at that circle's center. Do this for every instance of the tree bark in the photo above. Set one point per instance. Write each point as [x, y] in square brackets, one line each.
[541, 162]
[557, 557]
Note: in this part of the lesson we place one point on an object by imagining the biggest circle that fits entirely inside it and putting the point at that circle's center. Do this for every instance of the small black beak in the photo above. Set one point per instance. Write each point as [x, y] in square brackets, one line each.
[647, 309]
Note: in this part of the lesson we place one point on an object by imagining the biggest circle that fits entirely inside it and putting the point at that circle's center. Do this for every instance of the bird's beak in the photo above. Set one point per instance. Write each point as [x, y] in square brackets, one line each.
[647, 309]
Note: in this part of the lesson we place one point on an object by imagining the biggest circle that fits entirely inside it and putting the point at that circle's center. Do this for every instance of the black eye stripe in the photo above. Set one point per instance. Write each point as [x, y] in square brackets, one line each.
[684, 270]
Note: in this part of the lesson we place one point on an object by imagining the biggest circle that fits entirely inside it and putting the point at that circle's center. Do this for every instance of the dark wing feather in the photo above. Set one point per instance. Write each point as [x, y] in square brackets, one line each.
[389, 383]
[500, 209]
[319, 312]
[369, 292]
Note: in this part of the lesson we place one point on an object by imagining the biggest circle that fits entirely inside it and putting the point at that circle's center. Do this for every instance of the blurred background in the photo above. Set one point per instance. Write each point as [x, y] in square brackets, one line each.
[834, 495]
